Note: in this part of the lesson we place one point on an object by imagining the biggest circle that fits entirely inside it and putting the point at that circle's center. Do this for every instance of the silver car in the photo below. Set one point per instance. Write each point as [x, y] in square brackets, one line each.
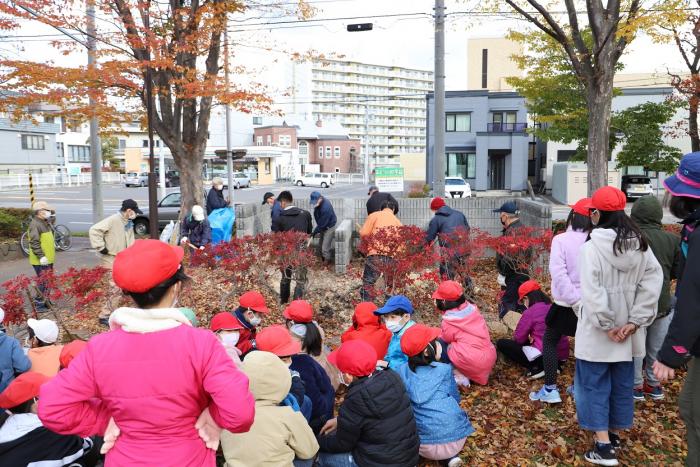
[136, 179]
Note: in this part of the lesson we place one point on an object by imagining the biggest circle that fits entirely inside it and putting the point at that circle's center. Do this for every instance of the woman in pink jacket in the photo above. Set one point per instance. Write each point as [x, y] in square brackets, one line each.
[153, 374]
[469, 346]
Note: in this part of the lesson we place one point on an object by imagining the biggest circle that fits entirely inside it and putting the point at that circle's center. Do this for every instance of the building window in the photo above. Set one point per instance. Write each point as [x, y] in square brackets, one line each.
[303, 148]
[461, 164]
[145, 143]
[320, 152]
[267, 166]
[257, 120]
[336, 152]
[484, 68]
[33, 142]
[269, 140]
[328, 152]
[78, 153]
[285, 141]
[49, 119]
[458, 122]
[258, 140]
[122, 144]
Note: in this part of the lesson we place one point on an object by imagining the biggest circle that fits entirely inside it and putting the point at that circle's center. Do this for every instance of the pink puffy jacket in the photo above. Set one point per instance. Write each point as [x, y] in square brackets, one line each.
[470, 348]
[155, 385]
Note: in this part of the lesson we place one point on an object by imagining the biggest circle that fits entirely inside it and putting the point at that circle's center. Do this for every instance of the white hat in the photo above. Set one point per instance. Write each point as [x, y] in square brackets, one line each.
[2, 315]
[44, 329]
[198, 213]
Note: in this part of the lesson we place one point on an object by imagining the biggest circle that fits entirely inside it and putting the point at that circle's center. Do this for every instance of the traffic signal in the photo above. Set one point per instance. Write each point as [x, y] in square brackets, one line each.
[359, 27]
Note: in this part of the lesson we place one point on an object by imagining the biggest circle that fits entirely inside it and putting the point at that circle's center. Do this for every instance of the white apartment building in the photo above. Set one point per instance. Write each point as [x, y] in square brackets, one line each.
[395, 97]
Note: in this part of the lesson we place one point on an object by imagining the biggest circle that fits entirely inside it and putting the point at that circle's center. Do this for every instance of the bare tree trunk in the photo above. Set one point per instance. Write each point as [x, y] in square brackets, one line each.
[693, 123]
[191, 188]
[599, 113]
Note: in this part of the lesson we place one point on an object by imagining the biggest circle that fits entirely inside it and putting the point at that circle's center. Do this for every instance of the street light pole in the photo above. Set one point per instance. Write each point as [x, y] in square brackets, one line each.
[152, 189]
[366, 171]
[439, 128]
[95, 147]
[229, 156]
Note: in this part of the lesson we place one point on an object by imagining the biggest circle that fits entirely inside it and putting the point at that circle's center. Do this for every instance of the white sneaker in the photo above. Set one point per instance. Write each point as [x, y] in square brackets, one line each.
[455, 462]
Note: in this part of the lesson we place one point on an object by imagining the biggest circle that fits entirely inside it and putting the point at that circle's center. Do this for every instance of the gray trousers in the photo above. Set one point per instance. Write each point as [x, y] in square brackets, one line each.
[689, 404]
[325, 243]
[656, 333]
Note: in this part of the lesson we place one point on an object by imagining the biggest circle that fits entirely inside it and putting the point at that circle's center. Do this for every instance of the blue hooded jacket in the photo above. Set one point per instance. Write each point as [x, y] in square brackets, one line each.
[324, 216]
[435, 401]
[394, 355]
[12, 360]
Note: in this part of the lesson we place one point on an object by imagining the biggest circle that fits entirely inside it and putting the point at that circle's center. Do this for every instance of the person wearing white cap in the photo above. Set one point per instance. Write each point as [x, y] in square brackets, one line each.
[195, 229]
[44, 353]
[13, 361]
[42, 249]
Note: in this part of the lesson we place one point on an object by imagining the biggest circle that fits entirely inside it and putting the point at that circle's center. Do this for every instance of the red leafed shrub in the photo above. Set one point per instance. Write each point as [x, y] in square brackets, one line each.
[525, 249]
[78, 287]
[14, 300]
[673, 228]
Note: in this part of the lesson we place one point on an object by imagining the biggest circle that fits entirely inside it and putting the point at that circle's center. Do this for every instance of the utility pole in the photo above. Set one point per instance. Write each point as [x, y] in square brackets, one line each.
[161, 171]
[366, 171]
[439, 128]
[229, 156]
[152, 189]
[95, 149]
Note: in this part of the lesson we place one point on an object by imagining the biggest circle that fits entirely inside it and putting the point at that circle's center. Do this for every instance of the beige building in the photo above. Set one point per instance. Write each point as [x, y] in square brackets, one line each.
[489, 63]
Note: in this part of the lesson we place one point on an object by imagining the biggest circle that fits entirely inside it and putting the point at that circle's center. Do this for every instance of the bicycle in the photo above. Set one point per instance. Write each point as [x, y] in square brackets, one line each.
[61, 235]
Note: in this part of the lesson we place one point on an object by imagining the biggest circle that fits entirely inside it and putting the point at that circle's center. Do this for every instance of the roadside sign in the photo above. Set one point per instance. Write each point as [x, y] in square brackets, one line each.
[389, 178]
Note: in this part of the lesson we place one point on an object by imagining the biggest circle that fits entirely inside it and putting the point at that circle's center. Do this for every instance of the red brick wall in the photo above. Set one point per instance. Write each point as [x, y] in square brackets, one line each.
[337, 147]
[275, 133]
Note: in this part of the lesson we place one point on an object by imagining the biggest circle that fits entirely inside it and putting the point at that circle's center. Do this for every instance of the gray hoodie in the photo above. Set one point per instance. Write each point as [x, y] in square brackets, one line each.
[616, 289]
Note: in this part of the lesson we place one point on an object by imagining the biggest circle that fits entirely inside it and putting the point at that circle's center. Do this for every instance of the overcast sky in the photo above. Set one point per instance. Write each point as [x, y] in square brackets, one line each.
[404, 41]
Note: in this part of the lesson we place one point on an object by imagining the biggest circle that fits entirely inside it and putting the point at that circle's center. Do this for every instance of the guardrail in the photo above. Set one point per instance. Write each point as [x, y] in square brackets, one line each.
[11, 181]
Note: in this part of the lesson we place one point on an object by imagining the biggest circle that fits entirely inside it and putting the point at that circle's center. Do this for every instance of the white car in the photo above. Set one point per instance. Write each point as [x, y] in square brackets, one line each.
[323, 180]
[456, 187]
[136, 179]
[240, 180]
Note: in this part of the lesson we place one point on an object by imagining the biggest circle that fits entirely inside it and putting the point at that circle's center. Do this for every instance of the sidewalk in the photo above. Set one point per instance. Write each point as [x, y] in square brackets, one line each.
[79, 256]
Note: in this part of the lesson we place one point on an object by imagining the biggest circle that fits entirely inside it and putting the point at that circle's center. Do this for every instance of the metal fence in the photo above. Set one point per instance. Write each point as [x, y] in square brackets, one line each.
[12, 181]
[348, 178]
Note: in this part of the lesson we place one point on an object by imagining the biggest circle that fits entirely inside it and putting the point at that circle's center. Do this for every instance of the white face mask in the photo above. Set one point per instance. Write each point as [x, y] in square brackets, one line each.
[341, 379]
[229, 339]
[132, 216]
[394, 326]
[219, 187]
[254, 320]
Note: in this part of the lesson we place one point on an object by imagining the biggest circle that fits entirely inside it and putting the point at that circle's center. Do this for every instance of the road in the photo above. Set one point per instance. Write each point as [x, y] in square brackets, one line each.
[73, 204]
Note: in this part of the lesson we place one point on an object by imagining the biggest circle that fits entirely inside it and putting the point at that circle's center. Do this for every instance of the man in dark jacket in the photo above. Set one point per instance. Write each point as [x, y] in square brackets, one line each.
[375, 424]
[295, 219]
[324, 214]
[269, 199]
[510, 267]
[195, 229]
[377, 199]
[215, 197]
[446, 222]
[648, 213]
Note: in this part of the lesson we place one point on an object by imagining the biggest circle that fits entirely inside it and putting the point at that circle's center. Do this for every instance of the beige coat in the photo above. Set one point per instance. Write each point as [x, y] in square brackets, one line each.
[113, 234]
[279, 434]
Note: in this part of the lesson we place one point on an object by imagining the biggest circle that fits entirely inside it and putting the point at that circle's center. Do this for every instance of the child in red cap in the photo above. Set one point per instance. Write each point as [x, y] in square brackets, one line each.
[25, 441]
[375, 423]
[464, 330]
[525, 348]
[443, 426]
[299, 317]
[228, 330]
[368, 327]
[251, 309]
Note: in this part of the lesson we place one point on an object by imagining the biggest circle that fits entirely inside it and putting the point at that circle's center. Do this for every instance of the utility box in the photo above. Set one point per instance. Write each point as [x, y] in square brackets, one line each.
[570, 181]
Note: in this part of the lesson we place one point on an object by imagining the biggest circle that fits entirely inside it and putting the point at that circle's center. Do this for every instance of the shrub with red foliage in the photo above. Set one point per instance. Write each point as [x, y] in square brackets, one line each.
[525, 249]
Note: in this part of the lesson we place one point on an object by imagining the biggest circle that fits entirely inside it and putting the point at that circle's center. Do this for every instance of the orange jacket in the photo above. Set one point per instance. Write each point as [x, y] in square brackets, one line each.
[46, 360]
[378, 220]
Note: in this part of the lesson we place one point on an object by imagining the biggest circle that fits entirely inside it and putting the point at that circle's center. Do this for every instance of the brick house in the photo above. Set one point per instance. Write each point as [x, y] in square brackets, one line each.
[323, 143]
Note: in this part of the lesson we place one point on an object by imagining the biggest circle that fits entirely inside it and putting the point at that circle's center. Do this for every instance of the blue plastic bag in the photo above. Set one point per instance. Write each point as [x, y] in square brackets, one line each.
[221, 222]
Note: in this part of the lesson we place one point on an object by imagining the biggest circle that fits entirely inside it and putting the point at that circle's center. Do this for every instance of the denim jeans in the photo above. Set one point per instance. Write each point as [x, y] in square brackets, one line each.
[303, 462]
[327, 459]
[39, 270]
[603, 395]
[375, 266]
[656, 333]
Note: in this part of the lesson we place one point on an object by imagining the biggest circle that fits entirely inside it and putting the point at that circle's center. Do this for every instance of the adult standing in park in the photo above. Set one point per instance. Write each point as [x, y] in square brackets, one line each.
[269, 199]
[215, 197]
[511, 273]
[42, 248]
[153, 376]
[291, 219]
[682, 343]
[377, 199]
[377, 260]
[109, 237]
[324, 214]
[445, 222]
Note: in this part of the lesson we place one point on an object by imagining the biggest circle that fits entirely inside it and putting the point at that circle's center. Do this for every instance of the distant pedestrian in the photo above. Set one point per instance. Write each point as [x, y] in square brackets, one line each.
[294, 219]
[215, 197]
[109, 237]
[42, 248]
[195, 228]
[324, 214]
[377, 260]
[510, 270]
[448, 221]
[377, 199]
[269, 199]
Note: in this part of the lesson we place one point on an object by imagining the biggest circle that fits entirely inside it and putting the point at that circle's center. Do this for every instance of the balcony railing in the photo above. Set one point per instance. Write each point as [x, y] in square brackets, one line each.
[506, 127]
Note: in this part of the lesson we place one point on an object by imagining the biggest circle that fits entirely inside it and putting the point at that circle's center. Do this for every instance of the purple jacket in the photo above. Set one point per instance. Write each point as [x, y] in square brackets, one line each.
[563, 267]
[531, 328]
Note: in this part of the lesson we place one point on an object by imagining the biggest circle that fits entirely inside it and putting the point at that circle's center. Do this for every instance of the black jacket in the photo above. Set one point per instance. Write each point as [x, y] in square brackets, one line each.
[445, 221]
[293, 218]
[376, 424]
[374, 203]
[683, 337]
[507, 265]
[197, 232]
[41, 444]
[215, 200]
